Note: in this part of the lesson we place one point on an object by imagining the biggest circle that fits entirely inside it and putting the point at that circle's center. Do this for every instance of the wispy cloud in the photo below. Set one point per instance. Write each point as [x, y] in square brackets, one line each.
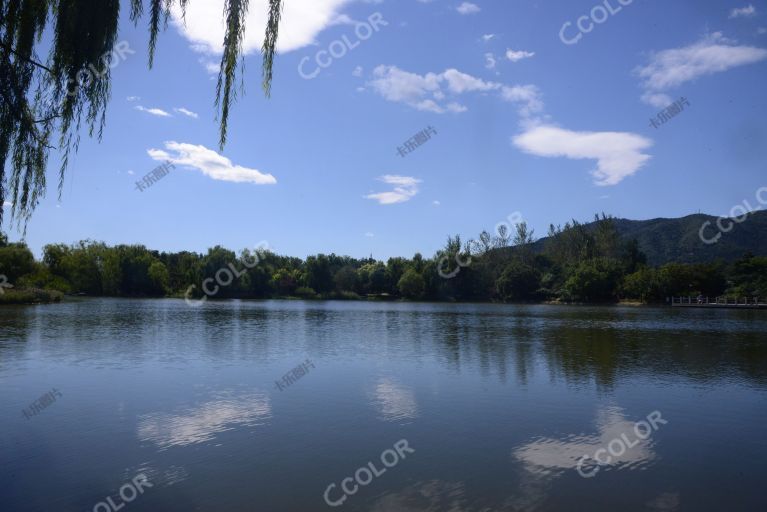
[405, 188]
[743, 12]
[468, 8]
[430, 92]
[153, 111]
[527, 97]
[517, 55]
[487, 37]
[133, 98]
[210, 163]
[618, 154]
[712, 54]
[490, 61]
[188, 113]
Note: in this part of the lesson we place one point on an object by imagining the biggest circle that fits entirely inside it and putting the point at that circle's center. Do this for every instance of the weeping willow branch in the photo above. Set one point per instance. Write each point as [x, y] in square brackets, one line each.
[270, 43]
[30, 61]
[37, 100]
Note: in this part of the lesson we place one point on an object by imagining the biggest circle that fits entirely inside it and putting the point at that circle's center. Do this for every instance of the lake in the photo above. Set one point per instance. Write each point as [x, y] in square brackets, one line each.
[154, 405]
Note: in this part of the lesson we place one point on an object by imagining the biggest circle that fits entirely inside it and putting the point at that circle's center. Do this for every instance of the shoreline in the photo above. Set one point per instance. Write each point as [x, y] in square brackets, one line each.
[62, 298]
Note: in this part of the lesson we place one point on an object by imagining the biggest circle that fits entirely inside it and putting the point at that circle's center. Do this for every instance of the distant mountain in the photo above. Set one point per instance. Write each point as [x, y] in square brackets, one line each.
[678, 240]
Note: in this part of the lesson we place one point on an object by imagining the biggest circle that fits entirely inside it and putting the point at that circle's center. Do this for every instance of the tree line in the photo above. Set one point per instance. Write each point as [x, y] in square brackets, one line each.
[575, 263]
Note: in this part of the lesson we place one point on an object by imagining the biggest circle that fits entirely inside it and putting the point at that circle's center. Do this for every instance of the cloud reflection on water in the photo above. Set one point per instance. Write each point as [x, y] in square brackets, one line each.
[203, 422]
[394, 401]
[547, 455]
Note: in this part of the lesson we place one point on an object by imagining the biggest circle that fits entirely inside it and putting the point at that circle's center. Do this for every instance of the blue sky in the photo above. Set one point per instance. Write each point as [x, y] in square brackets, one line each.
[524, 123]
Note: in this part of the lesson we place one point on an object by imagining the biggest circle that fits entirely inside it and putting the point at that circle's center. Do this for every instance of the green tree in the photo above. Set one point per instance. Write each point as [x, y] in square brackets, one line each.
[411, 285]
[593, 280]
[395, 268]
[749, 277]
[379, 279]
[644, 284]
[346, 279]
[159, 276]
[518, 282]
[285, 281]
[16, 260]
[318, 274]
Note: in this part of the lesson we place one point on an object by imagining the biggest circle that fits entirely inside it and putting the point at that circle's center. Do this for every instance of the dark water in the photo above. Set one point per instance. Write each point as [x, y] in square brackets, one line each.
[497, 405]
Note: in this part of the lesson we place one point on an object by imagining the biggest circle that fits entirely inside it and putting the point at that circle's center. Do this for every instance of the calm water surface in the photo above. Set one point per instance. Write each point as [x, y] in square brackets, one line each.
[498, 403]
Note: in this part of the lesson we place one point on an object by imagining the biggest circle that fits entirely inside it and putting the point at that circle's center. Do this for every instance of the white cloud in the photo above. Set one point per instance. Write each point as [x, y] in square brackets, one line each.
[517, 55]
[743, 12]
[712, 54]
[468, 8]
[369, 234]
[456, 107]
[154, 111]
[188, 113]
[761, 30]
[618, 154]
[211, 67]
[489, 60]
[657, 99]
[131, 172]
[436, 203]
[302, 21]
[528, 96]
[397, 85]
[405, 188]
[429, 92]
[357, 71]
[459, 83]
[210, 163]
[133, 98]
[487, 37]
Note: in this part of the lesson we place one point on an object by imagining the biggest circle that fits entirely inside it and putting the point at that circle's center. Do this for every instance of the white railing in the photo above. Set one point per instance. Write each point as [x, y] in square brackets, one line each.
[720, 301]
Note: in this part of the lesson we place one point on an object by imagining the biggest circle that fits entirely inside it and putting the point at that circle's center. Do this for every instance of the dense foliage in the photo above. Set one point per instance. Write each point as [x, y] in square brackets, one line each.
[577, 264]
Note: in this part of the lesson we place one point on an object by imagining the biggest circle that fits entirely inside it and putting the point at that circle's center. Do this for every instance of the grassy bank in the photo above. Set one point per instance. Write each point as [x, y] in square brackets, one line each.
[29, 296]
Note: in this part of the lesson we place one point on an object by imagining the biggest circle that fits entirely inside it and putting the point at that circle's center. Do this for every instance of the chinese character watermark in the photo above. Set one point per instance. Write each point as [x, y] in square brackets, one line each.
[153, 177]
[294, 375]
[41, 403]
[669, 112]
[416, 140]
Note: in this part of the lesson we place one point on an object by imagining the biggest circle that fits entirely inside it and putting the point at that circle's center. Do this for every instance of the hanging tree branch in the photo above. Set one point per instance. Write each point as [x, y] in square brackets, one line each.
[83, 32]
